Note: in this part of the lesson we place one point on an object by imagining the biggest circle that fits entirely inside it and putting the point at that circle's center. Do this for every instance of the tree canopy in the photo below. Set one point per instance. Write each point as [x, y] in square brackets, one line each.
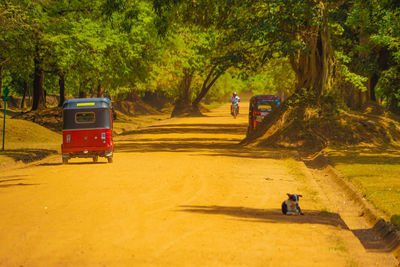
[203, 49]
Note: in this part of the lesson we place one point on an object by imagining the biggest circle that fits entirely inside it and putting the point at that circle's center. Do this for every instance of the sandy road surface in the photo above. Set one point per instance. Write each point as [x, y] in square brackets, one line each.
[178, 193]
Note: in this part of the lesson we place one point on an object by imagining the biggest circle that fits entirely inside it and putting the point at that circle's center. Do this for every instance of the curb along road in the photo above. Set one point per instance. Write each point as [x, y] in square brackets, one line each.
[388, 232]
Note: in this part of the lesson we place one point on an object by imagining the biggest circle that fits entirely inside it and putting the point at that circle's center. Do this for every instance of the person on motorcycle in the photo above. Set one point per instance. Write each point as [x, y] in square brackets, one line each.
[235, 99]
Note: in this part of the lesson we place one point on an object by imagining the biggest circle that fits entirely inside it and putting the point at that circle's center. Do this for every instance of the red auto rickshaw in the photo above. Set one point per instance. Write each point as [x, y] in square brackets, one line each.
[87, 129]
[260, 106]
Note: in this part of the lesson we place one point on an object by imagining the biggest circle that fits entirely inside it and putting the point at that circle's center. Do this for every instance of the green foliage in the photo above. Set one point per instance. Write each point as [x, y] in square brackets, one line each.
[107, 43]
[395, 219]
[356, 80]
[389, 83]
[246, 45]
[369, 43]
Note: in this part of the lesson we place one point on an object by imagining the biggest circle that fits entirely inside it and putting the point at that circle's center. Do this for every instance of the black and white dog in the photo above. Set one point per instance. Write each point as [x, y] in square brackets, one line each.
[291, 205]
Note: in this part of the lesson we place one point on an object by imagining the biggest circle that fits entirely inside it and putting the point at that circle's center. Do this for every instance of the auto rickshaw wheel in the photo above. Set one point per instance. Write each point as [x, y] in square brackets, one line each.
[95, 158]
[65, 161]
[110, 159]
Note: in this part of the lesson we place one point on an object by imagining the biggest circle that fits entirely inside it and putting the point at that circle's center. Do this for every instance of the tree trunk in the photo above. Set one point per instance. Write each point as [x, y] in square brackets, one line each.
[39, 101]
[133, 96]
[207, 84]
[372, 83]
[61, 84]
[364, 96]
[281, 94]
[313, 69]
[30, 96]
[183, 105]
[82, 94]
[393, 104]
[364, 41]
[99, 91]
[1, 83]
[27, 89]
[356, 99]
[185, 86]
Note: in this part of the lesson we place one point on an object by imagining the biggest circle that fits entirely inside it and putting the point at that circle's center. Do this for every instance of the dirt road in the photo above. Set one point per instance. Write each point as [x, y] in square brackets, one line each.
[178, 193]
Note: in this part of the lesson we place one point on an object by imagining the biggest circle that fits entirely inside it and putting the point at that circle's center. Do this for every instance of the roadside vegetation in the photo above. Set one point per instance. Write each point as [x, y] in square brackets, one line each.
[375, 172]
[27, 141]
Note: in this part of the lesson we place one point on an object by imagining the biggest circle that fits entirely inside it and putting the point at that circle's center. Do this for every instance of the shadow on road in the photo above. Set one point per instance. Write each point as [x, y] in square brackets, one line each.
[71, 163]
[28, 155]
[13, 185]
[13, 176]
[184, 128]
[11, 181]
[369, 238]
[202, 125]
[373, 241]
[221, 148]
[220, 144]
[270, 215]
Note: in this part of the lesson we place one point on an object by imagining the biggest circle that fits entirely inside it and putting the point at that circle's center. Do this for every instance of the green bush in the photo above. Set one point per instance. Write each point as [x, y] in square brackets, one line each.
[395, 219]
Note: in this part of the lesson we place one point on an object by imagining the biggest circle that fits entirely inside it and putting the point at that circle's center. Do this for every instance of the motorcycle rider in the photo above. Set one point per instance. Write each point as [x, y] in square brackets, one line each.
[235, 99]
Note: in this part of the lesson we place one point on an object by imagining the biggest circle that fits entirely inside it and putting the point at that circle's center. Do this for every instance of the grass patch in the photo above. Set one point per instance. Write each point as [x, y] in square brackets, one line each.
[26, 141]
[376, 173]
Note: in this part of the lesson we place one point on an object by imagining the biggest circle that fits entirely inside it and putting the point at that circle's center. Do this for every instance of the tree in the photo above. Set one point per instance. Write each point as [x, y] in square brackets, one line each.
[13, 26]
[295, 29]
[86, 44]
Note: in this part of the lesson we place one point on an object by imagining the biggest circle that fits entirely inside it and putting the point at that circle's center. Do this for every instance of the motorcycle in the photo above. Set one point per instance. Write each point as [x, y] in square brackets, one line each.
[234, 109]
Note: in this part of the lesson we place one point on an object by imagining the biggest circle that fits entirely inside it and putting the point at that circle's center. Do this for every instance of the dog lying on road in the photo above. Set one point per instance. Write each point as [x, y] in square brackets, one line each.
[291, 205]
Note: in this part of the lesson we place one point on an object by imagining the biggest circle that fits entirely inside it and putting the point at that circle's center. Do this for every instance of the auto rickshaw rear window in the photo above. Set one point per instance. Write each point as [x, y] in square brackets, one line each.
[85, 117]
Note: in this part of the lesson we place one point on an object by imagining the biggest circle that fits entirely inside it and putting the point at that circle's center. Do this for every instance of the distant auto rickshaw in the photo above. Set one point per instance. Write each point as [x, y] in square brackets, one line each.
[260, 106]
[87, 129]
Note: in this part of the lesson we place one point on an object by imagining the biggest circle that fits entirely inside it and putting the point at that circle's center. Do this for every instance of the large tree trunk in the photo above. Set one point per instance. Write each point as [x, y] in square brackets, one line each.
[207, 84]
[39, 101]
[183, 104]
[61, 84]
[313, 69]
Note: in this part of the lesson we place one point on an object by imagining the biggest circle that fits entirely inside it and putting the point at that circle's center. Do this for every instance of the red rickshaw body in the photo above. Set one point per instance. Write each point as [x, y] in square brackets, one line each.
[87, 129]
[260, 106]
